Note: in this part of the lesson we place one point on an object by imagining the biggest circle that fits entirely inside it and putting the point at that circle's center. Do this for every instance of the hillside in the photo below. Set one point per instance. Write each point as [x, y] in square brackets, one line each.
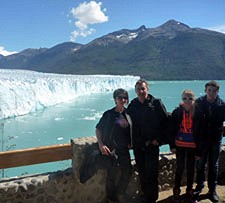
[172, 51]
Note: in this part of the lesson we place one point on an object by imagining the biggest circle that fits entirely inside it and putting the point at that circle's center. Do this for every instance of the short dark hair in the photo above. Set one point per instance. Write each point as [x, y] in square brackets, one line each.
[140, 81]
[119, 92]
[212, 83]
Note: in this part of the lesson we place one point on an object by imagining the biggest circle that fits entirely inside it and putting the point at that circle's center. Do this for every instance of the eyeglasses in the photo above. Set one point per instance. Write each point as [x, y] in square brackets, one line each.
[187, 99]
[122, 97]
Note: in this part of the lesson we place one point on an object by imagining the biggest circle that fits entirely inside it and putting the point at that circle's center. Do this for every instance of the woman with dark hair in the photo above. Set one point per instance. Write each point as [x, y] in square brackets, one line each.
[114, 135]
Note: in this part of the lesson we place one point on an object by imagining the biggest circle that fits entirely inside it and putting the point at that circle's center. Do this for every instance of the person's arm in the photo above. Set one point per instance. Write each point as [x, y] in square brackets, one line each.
[175, 121]
[197, 127]
[103, 148]
[163, 119]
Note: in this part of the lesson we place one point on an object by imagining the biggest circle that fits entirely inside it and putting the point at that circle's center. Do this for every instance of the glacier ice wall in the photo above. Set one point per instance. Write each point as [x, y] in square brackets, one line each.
[22, 92]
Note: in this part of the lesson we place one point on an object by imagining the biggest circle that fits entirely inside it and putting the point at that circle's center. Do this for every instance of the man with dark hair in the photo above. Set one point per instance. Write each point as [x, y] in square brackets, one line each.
[208, 132]
[148, 115]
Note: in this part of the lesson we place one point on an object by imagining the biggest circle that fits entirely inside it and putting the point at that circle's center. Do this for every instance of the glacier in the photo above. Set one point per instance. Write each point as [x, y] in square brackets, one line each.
[23, 91]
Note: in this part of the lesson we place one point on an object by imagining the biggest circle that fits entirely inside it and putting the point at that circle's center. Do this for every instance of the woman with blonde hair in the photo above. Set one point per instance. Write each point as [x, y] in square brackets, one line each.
[184, 144]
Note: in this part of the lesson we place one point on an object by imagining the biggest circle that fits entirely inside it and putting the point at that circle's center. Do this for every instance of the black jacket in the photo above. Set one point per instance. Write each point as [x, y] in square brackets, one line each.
[112, 135]
[208, 120]
[177, 116]
[148, 120]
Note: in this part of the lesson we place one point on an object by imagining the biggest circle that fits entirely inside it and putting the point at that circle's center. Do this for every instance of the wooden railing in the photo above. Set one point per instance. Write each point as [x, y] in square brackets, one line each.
[36, 155]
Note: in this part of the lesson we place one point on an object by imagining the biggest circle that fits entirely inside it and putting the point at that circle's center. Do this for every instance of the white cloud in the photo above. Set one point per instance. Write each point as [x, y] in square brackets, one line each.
[219, 28]
[6, 53]
[82, 33]
[87, 14]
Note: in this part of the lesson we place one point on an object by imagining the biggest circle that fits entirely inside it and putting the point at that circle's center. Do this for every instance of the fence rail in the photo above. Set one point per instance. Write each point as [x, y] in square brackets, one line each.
[35, 155]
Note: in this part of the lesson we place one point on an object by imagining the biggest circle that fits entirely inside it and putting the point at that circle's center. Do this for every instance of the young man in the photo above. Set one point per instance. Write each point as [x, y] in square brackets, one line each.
[148, 116]
[208, 132]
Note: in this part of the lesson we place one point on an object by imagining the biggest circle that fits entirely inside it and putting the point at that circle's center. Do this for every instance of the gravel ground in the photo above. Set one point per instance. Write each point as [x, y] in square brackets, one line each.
[166, 196]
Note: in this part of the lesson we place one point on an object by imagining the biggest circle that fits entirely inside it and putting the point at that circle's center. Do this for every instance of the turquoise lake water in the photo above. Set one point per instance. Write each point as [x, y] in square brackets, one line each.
[61, 123]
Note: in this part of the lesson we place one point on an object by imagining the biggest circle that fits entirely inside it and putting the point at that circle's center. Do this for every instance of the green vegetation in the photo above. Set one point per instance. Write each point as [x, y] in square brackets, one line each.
[169, 52]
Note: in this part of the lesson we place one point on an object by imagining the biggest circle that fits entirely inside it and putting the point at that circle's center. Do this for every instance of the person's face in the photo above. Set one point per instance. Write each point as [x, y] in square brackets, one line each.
[211, 93]
[121, 100]
[188, 101]
[142, 90]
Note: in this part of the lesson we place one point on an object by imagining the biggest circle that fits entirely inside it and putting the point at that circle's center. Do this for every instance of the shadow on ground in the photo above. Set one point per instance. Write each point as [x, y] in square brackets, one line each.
[202, 199]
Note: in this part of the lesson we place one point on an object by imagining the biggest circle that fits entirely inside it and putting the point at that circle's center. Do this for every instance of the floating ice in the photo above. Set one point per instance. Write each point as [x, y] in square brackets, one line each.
[22, 92]
[58, 119]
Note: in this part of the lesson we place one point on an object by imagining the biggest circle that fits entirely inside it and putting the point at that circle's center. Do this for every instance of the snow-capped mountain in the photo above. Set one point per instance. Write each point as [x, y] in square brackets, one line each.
[165, 52]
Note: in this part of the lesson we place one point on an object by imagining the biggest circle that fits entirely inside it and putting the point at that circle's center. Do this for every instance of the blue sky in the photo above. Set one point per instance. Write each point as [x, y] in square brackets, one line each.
[46, 23]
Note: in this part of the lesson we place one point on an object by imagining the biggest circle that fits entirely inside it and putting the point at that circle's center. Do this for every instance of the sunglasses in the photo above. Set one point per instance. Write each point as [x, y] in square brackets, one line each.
[187, 99]
[122, 97]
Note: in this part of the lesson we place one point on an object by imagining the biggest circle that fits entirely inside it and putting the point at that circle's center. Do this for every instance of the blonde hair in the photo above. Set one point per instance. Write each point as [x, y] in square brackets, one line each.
[189, 93]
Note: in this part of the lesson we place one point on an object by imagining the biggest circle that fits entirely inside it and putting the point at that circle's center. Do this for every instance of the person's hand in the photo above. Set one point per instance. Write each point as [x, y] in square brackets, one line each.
[155, 142]
[130, 146]
[197, 158]
[105, 150]
[147, 143]
[173, 150]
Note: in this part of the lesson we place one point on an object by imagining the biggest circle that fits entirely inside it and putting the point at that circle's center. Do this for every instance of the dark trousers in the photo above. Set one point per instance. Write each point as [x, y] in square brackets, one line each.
[210, 156]
[185, 157]
[147, 161]
[119, 171]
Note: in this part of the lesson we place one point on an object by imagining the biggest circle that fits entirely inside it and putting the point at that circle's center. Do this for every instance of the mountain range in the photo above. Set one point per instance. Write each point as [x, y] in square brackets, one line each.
[171, 51]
